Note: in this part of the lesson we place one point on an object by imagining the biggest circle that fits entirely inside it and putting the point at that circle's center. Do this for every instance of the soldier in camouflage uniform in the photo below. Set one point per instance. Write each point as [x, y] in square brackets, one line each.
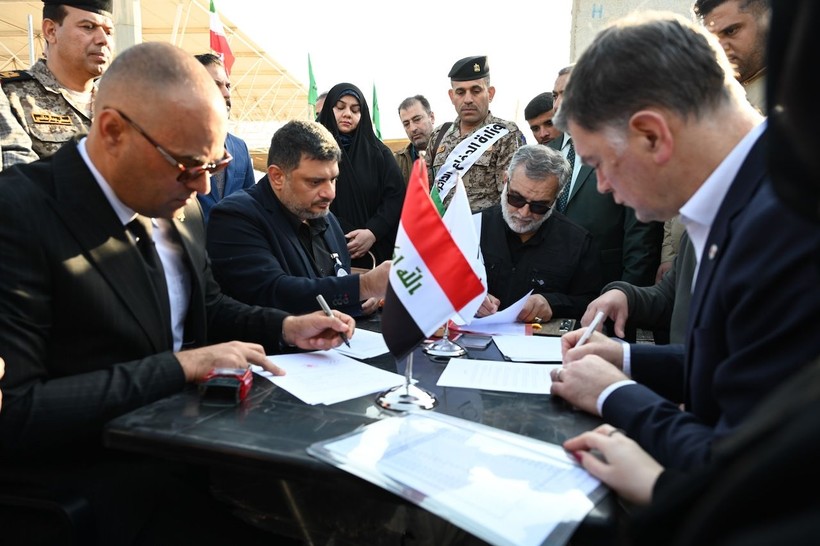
[53, 101]
[471, 94]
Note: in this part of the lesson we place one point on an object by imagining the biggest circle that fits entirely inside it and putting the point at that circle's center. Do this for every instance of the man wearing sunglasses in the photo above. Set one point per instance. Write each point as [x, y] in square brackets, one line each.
[108, 303]
[528, 245]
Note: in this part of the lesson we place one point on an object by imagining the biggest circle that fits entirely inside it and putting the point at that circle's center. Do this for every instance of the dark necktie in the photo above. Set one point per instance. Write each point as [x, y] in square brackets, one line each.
[141, 229]
[564, 197]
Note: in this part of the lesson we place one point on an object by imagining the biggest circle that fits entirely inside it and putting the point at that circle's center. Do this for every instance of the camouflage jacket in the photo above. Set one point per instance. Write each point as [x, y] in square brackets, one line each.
[43, 108]
[485, 179]
[15, 144]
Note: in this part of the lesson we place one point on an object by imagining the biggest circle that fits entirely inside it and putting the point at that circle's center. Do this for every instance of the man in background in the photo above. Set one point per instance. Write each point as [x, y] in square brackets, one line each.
[53, 101]
[418, 121]
[478, 145]
[239, 173]
[629, 249]
[538, 113]
[742, 27]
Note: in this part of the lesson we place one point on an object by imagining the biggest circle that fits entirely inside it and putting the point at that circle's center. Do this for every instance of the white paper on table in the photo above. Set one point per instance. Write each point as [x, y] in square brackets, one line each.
[364, 344]
[328, 377]
[495, 375]
[530, 348]
[504, 488]
[504, 321]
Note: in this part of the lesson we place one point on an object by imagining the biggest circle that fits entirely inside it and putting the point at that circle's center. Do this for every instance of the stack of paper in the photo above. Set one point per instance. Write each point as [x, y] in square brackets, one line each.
[503, 322]
[364, 344]
[501, 487]
[495, 375]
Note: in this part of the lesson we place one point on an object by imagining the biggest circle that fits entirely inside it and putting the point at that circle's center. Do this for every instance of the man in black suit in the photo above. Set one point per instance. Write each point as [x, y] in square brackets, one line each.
[629, 249]
[657, 147]
[528, 246]
[278, 244]
[97, 320]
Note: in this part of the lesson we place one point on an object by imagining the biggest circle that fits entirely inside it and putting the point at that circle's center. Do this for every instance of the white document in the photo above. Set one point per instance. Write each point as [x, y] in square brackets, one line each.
[364, 344]
[495, 375]
[504, 488]
[530, 348]
[326, 377]
[502, 322]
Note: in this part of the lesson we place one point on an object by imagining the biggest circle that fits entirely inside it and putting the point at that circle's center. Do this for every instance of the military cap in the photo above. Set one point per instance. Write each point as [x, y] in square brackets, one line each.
[470, 68]
[103, 7]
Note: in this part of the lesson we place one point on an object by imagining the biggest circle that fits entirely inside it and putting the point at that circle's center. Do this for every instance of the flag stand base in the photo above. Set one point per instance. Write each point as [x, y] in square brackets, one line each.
[445, 347]
[406, 398]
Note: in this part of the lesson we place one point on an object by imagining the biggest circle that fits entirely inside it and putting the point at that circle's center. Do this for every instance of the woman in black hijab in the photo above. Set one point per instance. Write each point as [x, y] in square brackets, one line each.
[370, 187]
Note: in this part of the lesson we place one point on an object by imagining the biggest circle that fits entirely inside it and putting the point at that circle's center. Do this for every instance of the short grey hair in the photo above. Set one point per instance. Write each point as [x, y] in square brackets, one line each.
[647, 60]
[541, 162]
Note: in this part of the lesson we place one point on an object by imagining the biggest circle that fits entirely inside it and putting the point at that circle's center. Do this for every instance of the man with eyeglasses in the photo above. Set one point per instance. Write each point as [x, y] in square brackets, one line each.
[528, 245]
[108, 303]
[53, 100]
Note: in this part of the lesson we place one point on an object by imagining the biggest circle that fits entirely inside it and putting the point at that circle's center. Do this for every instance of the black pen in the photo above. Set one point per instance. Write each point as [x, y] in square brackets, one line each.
[326, 308]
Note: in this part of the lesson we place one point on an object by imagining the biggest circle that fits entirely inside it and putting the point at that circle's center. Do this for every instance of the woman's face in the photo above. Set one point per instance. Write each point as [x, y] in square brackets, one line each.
[348, 112]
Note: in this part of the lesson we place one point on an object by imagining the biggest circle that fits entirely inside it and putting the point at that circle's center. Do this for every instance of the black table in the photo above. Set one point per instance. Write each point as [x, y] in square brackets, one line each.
[256, 453]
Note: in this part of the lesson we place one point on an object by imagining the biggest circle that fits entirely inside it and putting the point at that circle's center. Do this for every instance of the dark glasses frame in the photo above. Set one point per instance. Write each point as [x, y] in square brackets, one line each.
[536, 207]
[186, 174]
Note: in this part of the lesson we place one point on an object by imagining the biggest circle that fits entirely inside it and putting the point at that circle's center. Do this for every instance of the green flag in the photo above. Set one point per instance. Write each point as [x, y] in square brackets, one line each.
[313, 92]
[377, 125]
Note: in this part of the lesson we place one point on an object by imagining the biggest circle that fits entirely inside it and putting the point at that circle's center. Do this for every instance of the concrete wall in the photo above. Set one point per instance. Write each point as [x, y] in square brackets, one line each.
[589, 16]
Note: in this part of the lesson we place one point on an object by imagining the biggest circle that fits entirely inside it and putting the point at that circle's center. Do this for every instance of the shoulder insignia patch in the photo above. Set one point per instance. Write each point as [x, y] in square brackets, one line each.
[15, 76]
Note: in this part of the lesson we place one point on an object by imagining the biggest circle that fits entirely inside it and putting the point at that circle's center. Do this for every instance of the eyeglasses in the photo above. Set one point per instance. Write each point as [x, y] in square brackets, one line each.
[186, 174]
[536, 207]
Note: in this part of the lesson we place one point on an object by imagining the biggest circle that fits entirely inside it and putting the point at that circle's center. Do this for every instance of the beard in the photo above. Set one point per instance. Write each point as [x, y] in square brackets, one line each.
[520, 224]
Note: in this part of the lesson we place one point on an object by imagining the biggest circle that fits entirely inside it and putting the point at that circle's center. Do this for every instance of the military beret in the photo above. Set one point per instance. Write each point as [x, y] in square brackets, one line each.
[103, 7]
[470, 68]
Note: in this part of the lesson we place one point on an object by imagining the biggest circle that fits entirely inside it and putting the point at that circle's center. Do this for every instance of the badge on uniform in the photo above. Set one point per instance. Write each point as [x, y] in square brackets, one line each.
[46, 118]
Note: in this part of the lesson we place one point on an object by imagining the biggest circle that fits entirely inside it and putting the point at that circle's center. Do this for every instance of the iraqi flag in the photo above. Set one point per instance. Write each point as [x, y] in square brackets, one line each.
[431, 279]
[219, 42]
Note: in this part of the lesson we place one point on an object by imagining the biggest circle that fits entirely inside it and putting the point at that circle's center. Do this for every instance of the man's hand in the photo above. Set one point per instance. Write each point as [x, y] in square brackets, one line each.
[581, 382]
[370, 306]
[489, 306]
[536, 309]
[359, 242]
[373, 284]
[234, 354]
[624, 467]
[662, 270]
[317, 330]
[599, 344]
[615, 307]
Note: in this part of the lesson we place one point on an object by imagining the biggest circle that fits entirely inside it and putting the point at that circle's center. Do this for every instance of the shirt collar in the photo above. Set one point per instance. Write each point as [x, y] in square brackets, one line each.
[123, 211]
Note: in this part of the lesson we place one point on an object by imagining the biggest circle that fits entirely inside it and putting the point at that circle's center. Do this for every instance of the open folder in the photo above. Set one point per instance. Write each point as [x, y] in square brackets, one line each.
[504, 488]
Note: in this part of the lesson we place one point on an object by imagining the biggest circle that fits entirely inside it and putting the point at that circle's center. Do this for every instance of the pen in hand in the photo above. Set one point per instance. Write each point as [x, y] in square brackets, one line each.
[328, 312]
[599, 316]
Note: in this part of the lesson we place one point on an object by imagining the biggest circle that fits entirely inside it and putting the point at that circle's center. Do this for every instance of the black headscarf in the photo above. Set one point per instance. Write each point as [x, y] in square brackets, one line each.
[370, 187]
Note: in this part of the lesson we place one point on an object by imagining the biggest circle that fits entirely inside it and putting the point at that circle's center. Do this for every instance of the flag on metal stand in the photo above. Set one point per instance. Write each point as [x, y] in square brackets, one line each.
[431, 279]
[219, 42]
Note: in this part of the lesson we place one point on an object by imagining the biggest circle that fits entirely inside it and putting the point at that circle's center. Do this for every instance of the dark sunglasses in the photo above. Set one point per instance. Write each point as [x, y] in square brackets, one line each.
[536, 207]
[186, 174]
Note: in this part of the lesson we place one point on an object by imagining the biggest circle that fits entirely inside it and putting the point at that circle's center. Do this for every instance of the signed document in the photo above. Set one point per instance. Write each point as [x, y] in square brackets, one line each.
[504, 488]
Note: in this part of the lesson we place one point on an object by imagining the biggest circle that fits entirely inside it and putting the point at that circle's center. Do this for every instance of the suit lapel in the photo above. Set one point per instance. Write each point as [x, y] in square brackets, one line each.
[749, 178]
[584, 174]
[190, 230]
[89, 218]
[282, 225]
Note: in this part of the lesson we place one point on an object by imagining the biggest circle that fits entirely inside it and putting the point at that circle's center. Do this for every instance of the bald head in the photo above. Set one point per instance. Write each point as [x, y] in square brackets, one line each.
[156, 77]
[157, 112]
